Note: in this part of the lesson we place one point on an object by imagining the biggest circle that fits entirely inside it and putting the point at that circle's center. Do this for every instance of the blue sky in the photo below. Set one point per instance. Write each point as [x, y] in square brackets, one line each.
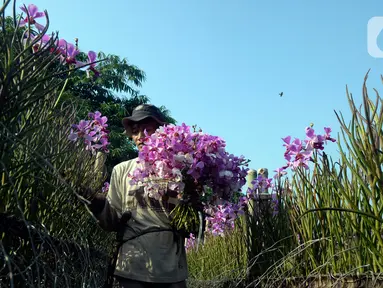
[221, 64]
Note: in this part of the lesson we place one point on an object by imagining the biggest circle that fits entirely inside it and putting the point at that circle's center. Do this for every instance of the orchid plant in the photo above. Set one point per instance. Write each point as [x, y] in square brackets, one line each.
[298, 154]
[93, 131]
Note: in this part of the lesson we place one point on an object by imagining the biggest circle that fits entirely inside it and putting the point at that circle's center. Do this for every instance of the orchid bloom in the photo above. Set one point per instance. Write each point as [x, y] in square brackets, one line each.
[41, 43]
[105, 188]
[92, 56]
[99, 120]
[82, 130]
[313, 141]
[173, 149]
[327, 136]
[190, 242]
[279, 172]
[71, 53]
[297, 154]
[61, 46]
[68, 52]
[32, 13]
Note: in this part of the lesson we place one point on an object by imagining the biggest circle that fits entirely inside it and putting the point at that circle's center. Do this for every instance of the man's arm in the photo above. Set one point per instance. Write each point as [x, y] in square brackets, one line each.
[107, 216]
[107, 209]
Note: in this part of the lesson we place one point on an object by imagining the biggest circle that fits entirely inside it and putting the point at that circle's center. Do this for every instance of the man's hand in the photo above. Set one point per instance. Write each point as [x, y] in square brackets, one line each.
[86, 192]
[97, 200]
[192, 192]
[97, 204]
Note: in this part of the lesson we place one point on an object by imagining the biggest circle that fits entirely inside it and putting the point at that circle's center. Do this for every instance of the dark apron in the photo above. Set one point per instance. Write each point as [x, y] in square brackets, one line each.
[120, 241]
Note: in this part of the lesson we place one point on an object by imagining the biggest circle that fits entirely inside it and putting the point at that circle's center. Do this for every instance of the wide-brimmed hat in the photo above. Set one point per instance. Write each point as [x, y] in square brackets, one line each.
[140, 113]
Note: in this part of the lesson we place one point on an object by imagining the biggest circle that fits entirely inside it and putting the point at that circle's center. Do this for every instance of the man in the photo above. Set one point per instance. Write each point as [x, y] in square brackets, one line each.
[151, 254]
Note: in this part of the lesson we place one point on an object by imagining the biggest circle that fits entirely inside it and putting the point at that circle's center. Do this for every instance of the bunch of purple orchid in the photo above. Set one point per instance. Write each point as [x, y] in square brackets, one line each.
[67, 51]
[174, 155]
[93, 131]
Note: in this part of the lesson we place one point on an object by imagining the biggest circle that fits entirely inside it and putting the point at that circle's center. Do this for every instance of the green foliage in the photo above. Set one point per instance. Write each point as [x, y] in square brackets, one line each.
[117, 76]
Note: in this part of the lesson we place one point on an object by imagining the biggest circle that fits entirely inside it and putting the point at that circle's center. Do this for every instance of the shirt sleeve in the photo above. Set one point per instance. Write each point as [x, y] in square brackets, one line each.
[110, 215]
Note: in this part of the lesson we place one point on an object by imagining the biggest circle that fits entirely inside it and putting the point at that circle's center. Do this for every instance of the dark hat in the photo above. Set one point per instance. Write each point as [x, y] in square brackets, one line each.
[142, 112]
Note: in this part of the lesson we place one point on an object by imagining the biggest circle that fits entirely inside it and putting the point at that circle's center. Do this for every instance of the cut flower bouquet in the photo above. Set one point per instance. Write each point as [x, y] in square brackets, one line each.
[181, 159]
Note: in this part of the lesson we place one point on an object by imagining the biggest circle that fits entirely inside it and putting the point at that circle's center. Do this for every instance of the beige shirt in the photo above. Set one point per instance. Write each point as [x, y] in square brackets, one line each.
[151, 257]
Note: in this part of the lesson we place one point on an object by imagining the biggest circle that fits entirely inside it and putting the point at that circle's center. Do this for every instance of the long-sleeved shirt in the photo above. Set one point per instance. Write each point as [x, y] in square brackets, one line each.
[151, 257]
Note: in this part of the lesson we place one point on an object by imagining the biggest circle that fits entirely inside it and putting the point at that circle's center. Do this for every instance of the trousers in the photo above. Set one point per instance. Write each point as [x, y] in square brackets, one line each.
[129, 283]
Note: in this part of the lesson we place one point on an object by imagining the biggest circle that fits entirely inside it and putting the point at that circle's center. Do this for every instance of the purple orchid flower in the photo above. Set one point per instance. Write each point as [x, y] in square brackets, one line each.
[61, 46]
[70, 54]
[92, 56]
[105, 188]
[275, 203]
[313, 141]
[38, 44]
[279, 172]
[93, 132]
[327, 136]
[191, 242]
[32, 13]
[98, 119]
[82, 130]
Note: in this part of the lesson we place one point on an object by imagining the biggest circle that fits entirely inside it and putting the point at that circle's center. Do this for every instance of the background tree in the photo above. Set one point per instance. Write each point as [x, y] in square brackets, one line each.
[115, 94]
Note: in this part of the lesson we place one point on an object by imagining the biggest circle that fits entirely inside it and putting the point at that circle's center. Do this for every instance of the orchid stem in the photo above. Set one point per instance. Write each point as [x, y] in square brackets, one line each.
[62, 90]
